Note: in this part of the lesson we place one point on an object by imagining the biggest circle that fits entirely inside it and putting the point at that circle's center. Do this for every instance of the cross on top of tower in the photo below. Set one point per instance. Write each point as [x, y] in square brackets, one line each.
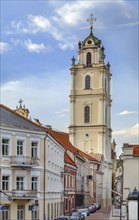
[91, 20]
[20, 103]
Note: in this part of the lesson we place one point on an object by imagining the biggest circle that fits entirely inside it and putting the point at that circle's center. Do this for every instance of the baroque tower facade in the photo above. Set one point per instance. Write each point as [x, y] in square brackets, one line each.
[90, 102]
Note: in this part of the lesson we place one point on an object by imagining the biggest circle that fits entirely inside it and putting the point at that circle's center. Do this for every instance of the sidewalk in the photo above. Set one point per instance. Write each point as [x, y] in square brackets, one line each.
[102, 214]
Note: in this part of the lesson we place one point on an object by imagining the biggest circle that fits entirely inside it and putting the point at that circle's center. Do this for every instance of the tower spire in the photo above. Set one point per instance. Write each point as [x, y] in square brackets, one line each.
[91, 20]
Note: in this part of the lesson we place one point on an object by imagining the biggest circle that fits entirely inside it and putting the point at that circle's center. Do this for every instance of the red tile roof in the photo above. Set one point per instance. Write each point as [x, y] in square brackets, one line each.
[67, 159]
[136, 151]
[63, 139]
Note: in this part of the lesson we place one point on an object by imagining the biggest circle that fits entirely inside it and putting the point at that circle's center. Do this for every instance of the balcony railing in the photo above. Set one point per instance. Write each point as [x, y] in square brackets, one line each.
[24, 194]
[24, 161]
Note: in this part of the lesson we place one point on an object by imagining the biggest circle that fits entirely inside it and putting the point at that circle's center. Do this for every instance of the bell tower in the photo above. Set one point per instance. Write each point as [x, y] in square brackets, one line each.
[90, 99]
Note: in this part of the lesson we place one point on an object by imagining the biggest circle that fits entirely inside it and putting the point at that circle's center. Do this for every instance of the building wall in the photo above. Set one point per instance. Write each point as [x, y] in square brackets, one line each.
[13, 166]
[69, 189]
[54, 178]
[130, 175]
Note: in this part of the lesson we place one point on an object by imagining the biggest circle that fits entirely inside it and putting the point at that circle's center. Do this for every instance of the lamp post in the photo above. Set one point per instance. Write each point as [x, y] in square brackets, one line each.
[9, 197]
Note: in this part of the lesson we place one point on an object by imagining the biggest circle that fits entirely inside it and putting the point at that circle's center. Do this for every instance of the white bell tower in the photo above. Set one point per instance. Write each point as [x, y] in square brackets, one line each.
[90, 99]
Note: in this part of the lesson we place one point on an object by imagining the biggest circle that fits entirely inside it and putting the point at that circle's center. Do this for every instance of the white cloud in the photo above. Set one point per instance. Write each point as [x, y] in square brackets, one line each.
[42, 95]
[128, 133]
[72, 13]
[33, 47]
[4, 47]
[36, 24]
[126, 113]
[62, 112]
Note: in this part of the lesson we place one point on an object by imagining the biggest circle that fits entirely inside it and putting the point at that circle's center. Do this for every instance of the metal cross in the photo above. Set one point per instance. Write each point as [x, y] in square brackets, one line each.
[20, 102]
[91, 20]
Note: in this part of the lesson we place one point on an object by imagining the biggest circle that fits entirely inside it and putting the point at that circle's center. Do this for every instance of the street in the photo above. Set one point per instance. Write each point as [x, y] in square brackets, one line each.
[102, 214]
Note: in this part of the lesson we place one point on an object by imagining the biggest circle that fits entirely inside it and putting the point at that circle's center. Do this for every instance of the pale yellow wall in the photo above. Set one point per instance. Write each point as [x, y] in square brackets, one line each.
[130, 175]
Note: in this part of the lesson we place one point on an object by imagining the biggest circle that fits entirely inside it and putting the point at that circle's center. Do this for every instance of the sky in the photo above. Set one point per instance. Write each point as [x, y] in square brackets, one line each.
[38, 40]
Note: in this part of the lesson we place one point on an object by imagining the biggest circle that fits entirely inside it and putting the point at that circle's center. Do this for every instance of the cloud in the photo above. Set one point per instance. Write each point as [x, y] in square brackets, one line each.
[74, 12]
[42, 95]
[33, 47]
[4, 47]
[62, 112]
[128, 133]
[40, 24]
[126, 113]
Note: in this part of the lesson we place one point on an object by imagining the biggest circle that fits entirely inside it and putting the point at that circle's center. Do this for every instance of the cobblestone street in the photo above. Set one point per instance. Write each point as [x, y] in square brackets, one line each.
[102, 214]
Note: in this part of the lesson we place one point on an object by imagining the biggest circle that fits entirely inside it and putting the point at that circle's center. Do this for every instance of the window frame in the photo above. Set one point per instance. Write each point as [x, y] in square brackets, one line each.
[20, 183]
[5, 183]
[20, 212]
[88, 59]
[5, 147]
[86, 114]
[87, 82]
[34, 183]
[6, 213]
[34, 214]
[34, 149]
[20, 147]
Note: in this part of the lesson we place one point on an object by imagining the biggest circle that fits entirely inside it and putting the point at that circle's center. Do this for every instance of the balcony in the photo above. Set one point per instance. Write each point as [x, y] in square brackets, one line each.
[24, 161]
[23, 194]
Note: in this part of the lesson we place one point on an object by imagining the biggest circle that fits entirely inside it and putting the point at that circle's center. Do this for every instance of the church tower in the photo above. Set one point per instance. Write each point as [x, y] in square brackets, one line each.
[90, 99]
[90, 105]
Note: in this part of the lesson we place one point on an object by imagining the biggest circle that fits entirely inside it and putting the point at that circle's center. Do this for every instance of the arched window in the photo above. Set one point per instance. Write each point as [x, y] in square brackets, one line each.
[87, 82]
[88, 59]
[87, 114]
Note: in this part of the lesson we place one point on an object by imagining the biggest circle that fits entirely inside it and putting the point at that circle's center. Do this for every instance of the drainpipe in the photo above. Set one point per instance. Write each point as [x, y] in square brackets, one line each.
[44, 182]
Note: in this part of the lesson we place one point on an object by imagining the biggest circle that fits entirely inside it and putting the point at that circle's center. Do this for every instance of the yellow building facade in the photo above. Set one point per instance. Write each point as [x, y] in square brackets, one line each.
[90, 105]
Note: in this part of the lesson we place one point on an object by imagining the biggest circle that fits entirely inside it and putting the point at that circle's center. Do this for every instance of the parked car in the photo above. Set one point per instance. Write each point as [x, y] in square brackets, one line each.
[84, 211]
[78, 214]
[97, 204]
[63, 218]
[92, 208]
[74, 217]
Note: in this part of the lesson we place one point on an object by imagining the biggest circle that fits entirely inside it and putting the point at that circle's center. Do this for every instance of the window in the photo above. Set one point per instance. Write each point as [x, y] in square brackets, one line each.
[34, 183]
[51, 210]
[66, 204]
[88, 59]
[34, 149]
[5, 147]
[48, 211]
[5, 182]
[87, 114]
[106, 118]
[20, 147]
[5, 213]
[34, 215]
[19, 183]
[20, 212]
[87, 82]
[105, 85]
